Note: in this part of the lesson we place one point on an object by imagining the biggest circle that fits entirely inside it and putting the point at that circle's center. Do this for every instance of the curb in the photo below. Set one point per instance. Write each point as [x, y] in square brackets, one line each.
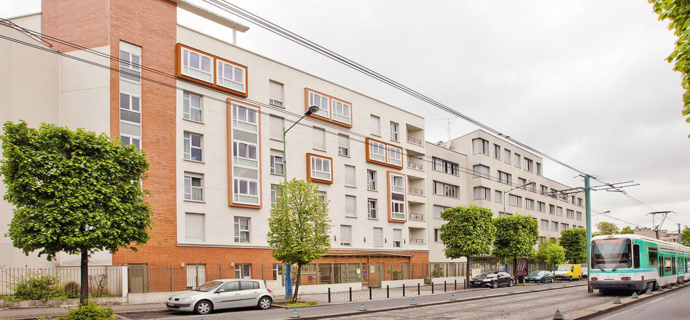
[350, 313]
[633, 302]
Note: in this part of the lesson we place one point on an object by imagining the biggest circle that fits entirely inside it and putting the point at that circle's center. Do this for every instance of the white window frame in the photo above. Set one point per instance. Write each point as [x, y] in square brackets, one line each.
[394, 154]
[221, 77]
[345, 107]
[238, 231]
[497, 152]
[240, 111]
[187, 114]
[372, 209]
[130, 67]
[312, 160]
[397, 207]
[377, 146]
[188, 179]
[275, 164]
[186, 56]
[237, 189]
[130, 100]
[187, 136]
[484, 149]
[324, 110]
[395, 129]
[343, 150]
[371, 180]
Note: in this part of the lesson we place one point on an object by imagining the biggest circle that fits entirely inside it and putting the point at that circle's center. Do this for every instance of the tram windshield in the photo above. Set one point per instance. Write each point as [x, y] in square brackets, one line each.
[611, 254]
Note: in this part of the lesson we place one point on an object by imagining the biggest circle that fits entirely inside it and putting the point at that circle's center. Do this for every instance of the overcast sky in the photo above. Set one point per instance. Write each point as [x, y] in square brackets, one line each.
[582, 81]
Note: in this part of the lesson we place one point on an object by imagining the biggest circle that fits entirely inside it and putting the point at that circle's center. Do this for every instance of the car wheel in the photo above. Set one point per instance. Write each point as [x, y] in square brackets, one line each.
[494, 284]
[203, 307]
[264, 303]
[510, 284]
[543, 280]
[655, 286]
[570, 279]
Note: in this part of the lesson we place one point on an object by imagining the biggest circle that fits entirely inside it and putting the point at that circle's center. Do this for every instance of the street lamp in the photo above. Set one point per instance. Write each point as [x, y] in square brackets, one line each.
[504, 193]
[312, 109]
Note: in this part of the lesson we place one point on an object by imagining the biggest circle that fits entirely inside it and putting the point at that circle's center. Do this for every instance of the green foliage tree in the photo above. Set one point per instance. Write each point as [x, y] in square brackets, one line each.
[574, 242]
[515, 238]
[550, 252]
[73, 191]
[606, 228]
[627, 230]
[678, 13]
[685, 236]
[298, 226]
[468, 232]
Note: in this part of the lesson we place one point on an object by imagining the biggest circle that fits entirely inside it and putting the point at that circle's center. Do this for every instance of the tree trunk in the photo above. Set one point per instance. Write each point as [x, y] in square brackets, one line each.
[298, 282]
[515, 268]
[84, 276]
[467, 274]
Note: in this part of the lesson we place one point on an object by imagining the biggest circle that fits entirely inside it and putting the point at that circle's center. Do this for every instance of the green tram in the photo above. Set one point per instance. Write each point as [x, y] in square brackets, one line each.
[635, 263]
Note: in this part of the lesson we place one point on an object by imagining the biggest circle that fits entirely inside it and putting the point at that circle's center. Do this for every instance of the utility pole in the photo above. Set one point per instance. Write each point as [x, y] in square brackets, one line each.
[588, 210]
[663, 219]
[679, 235]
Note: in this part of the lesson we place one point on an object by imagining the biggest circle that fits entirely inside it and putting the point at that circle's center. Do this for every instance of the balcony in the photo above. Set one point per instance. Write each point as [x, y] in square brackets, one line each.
[415, 191]
[414, 140]
[416, 241]
[416, 216]
[415, 166]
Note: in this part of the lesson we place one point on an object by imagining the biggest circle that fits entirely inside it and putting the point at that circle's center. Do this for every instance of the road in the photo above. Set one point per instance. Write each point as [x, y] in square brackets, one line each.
[668, 307]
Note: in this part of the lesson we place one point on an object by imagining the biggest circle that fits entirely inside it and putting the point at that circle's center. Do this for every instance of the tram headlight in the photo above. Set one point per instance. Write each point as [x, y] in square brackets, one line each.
[626, 278]
[595, 278]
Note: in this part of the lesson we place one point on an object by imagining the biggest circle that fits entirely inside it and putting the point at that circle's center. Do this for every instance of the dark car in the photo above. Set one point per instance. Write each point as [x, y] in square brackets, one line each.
[492, 280]
[542, 276]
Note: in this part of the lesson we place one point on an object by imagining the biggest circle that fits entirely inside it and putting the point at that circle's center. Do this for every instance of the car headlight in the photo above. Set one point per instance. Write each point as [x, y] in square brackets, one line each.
[185, 299]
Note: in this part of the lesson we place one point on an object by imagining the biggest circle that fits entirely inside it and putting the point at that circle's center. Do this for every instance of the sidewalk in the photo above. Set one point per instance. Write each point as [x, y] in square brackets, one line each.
[33, 313]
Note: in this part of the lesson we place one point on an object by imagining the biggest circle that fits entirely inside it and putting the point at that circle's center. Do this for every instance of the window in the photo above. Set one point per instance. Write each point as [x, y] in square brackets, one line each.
[445, 166]
[192, 146]
[506, 156]
[545, 224]
[394, 156]
[448, 190]
[480, 146]
[481, 171]
[394, 131]
[514, 200]
[277, 162]
[274, 192]
[497, 152]
[653, 256]
[320, 169]
[636, 256]
[323, 196]
[191, 107]
[241, 229]
[246, 155]
[578, 215]
[482, 193]
[552, 209]
[570, 214]
[397, 238]
[559, 211]
[397, 197]
[572, 199]
[522, 182]
[377, 151]
[544, 190]
[345, 236]
[195, 227]
[277, 126]
[246, 191]
[196, 275]
[378, 237]
[341, 112]
[343, 145]
[437, 211]
[541, 206]
[529, 165]
[230, 76]
[197, 65]
[130, 120]
[498, 196]
[322, 101]
[371, 180]
[193, 187]
[532, 187]
[350, 176]
[372, 209]
[529, 204]
[554, 193]
[397, 210]
[384, 154]
[504, 214]
[243, 271]
[580, 202]
[374, 123]
[539, 169]
[308, 269]
[506, 178]
[130, 63]
[517, 160]
[437, 235]
[564, 226]
[319, 136]
[275, 93]
[350, 206]
[554, 226]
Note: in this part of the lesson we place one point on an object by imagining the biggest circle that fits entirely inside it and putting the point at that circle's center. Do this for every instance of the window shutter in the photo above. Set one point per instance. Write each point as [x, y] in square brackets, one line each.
[343, 141]
[349, 176]
[346, 234]
[277, 128]
[375, 125]
[319, 137]
[194, 226]
[275, 91]
[397, 235]
[350, 206]
[378, 237]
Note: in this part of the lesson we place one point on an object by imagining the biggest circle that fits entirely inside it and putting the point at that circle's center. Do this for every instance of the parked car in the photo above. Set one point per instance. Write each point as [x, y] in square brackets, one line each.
[542, 276]
[493, 280]
[568, 272]
[584, 270]
[222, 294]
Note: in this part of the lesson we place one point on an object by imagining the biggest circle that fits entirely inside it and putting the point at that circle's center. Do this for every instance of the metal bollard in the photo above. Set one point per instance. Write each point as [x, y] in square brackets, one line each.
[432, 288]
[388, 292]
[418, 290]
[329, 295]
[456, 285]
[403, 289]
[369, 292]
[444, 286]
[350, 294]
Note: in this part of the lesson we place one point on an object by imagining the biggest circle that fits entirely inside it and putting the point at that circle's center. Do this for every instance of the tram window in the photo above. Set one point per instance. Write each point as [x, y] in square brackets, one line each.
[673, 265]
[667, 265]
[653, 258]
[636, 256]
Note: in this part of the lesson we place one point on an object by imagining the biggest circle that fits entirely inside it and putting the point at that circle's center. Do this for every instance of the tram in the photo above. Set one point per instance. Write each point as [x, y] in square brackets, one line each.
[635, 263]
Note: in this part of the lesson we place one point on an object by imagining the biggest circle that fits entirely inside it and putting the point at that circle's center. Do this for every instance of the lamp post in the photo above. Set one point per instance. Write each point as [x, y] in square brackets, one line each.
[504, 193]
[312, 109]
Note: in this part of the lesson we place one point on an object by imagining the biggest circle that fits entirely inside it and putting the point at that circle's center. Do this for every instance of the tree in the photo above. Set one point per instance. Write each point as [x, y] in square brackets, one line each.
[515, 238]
[685, 236]
[551, 253]
[678, 13]
[606, 228]
[574, 242]
[468, 232]
[627, 230]
[73, 191]
[298, 226]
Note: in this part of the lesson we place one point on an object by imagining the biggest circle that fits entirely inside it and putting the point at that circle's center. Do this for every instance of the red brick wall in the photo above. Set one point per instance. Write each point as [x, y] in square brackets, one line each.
[84, 22]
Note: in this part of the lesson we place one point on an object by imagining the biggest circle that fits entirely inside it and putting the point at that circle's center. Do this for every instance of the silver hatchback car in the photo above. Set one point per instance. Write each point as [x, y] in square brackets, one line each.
[222, 294]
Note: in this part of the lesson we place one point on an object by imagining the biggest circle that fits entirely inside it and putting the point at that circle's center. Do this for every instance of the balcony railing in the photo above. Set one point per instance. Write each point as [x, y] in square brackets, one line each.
[416, 216]
[414, 140]
[415, 191]
[416, 166]
[416, 241]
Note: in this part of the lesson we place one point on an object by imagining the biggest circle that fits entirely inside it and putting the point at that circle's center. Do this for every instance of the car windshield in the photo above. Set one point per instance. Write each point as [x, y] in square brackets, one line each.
[536, 273]
[488, 275]
[563, 268]
[208, 286]
[611, 254]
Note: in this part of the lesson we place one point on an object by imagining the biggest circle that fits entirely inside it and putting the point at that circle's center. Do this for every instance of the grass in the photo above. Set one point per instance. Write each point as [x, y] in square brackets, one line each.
[300, 303]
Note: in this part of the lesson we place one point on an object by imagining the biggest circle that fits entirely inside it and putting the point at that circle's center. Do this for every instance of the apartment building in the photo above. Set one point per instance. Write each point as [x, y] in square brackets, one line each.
[212, 126]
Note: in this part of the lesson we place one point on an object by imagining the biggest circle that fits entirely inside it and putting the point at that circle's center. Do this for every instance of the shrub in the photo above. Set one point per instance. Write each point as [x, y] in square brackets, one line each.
[90, 311]
[72, 290]
[37, 286]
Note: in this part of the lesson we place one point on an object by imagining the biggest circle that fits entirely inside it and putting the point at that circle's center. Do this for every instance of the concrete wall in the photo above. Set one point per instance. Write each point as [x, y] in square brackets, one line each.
[409, 283]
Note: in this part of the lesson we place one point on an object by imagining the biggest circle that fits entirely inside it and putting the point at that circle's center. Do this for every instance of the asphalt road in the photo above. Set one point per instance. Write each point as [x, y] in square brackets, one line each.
[667, 307]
